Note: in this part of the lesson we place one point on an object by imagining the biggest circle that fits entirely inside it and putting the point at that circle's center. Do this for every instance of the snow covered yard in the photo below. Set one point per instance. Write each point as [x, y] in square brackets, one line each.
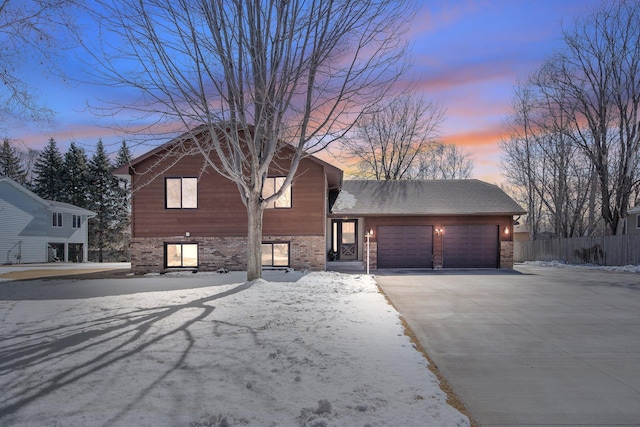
[326, 350]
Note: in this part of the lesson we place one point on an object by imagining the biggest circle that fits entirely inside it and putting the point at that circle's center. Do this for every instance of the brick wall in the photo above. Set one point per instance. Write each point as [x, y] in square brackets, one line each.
[147, 254]
[506, 255]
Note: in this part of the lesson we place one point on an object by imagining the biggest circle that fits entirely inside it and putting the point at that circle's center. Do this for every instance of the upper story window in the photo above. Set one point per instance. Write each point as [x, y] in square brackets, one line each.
[638, 221]
[181, 193]
[271, 186]
[57, 219]
[76, 221]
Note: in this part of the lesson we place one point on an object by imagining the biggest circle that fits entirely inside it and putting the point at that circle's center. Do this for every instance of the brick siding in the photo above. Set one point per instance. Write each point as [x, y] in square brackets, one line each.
[147, 254]
[506, 255]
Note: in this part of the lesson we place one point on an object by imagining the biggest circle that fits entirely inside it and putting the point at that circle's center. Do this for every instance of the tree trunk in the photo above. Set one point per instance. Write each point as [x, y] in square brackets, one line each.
[254, 237]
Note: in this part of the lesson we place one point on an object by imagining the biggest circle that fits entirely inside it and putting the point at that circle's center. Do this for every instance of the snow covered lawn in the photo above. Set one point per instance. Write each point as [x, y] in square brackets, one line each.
[326, 350]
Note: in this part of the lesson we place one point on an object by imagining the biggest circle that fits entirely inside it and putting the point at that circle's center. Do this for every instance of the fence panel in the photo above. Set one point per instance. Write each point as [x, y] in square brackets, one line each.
[599, 250]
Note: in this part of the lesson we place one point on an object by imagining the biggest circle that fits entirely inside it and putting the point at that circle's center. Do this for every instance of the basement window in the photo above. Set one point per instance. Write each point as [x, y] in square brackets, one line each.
[181, 255]
[275, 254]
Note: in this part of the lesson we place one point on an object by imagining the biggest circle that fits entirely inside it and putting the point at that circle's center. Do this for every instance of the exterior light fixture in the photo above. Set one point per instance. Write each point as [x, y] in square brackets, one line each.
[187, 234]
[506, 231]
[439, 231]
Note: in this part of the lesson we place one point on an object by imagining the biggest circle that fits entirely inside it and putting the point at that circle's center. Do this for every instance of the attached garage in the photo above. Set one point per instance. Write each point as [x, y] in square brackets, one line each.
[470, 246]
[429, 224]
[405, 246]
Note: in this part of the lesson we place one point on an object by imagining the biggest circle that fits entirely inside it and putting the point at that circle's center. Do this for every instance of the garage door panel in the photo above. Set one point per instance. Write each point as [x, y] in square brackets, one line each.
[405, 246]
[470, 246]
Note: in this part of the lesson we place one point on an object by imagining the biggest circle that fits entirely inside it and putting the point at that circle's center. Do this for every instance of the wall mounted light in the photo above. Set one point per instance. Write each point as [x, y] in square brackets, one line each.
[506, 231]
[439, 231]
[187, 234]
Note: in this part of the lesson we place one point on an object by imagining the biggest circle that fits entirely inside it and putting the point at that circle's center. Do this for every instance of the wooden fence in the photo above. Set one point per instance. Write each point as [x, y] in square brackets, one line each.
[603, 250]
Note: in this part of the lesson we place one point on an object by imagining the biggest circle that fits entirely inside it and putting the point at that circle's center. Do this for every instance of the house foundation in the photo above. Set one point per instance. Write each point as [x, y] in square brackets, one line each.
[148, 254]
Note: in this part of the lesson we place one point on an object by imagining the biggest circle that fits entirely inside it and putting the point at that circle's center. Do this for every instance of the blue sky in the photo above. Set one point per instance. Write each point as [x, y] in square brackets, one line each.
[467, 55]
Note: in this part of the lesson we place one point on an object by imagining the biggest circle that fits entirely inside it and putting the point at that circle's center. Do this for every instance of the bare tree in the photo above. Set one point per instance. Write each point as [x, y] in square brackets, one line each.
[539, 157]
[576, 125]
[255, 73]
[444, 161]
[388, 140]
[31, 32]
[598, 76]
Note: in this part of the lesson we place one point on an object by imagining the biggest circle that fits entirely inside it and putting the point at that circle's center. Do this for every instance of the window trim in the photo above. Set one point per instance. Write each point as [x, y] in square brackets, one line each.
[166, 192]
[277, 242]
[274, 204]
[166, 252]
[56, 219]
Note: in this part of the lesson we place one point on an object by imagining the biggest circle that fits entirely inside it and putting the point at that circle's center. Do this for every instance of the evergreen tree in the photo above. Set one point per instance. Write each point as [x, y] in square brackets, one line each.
[75, 176]
[10, 164]
[47, 181]
[103, 200]
[123, 228]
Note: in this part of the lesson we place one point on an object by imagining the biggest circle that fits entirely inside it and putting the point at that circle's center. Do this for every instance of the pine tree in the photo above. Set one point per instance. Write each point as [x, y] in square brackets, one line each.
[47, 181]
[103, 200]
[75, 176]
[123, 227]
[10, 164]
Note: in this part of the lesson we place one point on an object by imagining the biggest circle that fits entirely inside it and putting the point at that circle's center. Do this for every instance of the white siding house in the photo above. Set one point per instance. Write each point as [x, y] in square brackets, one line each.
[33, 229]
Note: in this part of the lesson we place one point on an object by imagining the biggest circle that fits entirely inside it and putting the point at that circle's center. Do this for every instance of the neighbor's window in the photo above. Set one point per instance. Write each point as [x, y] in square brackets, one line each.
[76, 221]
[638, 221]
[275, 254]
[271, 186]
[181, 193]
[57, 219]
[181, 254]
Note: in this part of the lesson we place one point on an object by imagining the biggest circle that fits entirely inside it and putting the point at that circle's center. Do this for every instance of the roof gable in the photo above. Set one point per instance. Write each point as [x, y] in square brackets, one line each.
[428, 197]
[333, 173]
[34, 198]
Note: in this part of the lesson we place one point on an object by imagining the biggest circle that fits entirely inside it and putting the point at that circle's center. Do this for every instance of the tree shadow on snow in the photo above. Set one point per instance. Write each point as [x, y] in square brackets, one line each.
[26, 358]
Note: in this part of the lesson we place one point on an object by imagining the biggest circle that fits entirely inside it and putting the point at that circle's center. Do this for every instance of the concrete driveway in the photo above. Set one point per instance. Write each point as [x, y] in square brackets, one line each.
[538, 346]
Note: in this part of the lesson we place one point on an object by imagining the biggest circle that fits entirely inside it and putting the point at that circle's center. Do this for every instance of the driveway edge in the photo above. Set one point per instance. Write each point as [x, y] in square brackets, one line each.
[452, 398]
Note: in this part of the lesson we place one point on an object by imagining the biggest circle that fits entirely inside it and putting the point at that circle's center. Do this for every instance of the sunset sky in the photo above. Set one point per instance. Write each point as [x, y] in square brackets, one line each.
[467, 55]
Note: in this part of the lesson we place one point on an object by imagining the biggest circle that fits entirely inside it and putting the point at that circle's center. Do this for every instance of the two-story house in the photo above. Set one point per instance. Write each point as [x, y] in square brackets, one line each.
[37, 230]
[186, 215]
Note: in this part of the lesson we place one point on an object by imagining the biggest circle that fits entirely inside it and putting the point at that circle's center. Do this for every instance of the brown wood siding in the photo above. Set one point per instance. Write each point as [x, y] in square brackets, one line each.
[405, 246]
[220, 210]
[470, 246]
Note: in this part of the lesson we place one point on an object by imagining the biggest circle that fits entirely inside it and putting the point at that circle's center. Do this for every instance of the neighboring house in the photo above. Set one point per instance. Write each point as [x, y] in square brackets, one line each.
[633, 220]
[186, 215]
[37, 230]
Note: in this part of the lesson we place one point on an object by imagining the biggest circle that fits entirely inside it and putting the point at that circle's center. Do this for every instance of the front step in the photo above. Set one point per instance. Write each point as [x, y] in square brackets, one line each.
[346, 266]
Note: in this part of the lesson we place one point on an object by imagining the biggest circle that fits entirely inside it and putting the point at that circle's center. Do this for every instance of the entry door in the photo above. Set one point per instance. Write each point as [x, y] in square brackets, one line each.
[345, 235]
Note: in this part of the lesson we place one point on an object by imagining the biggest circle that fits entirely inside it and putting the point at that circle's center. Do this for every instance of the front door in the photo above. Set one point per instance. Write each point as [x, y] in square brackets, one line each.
[345, 238]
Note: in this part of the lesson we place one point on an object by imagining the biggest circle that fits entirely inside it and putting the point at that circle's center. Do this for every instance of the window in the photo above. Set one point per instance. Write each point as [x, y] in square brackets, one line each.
[181, 193]
[275, 254]
[181, 254]
[638, 221]
[57, 219]
[76, 221]
[271, 186]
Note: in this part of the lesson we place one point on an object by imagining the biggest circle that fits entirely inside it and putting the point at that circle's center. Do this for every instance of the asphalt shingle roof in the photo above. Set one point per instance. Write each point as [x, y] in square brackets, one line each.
[429, 197]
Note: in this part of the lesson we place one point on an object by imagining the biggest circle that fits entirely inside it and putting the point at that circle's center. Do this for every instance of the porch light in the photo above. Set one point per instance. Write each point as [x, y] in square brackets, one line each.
[187, 234]
[439, 231]
[506, 231]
